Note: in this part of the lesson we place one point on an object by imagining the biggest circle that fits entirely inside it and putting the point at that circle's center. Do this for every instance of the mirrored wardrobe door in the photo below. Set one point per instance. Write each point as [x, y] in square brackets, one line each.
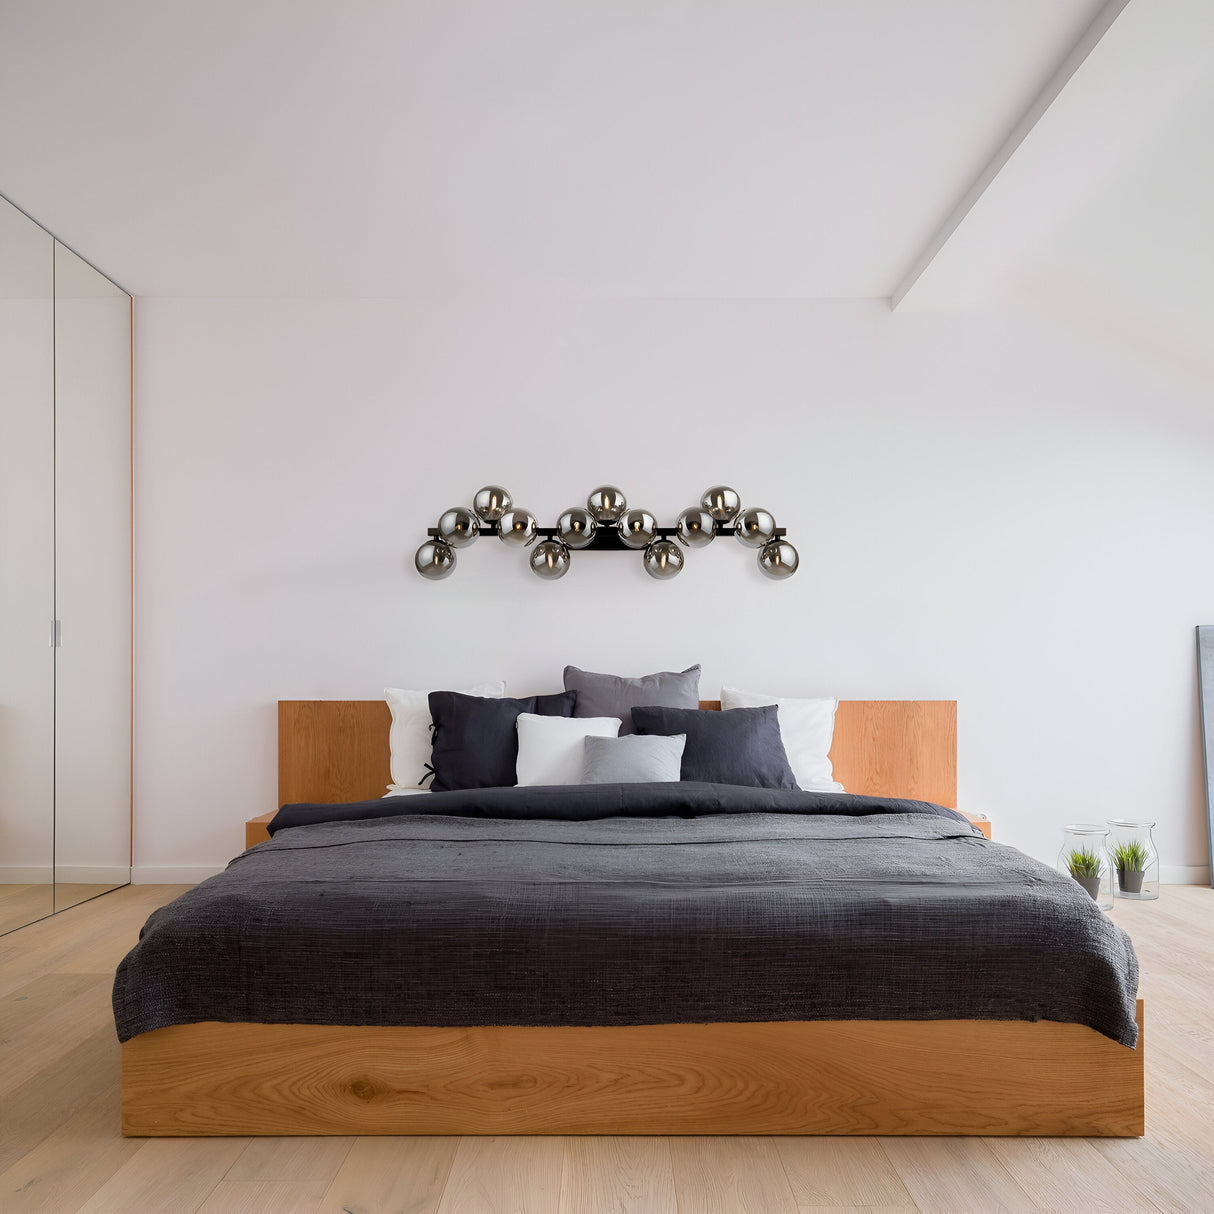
[27, 570]
[92, 581]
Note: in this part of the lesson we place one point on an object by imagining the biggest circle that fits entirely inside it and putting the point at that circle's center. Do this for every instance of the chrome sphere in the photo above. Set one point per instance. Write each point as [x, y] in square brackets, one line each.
[663, 559]
[637, 528]
[491, 502]
[694, 527]
[435, 560]
[459, 526]
[549, 559]
[607, 503]
[517, 526]
[721, 502]
[778, 559]
[755, 527]
[576, 527]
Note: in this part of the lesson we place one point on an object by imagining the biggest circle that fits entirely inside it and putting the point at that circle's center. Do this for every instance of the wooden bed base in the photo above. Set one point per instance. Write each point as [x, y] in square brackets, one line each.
[987, 1077]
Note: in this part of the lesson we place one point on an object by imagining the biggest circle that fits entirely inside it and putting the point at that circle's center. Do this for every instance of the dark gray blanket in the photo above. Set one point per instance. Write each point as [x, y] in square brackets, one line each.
[878, 910]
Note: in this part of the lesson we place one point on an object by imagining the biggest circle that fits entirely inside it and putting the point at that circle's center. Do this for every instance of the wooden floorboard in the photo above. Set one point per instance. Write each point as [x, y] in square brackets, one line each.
[61, 1151]
[505, 1176]
[957, 1176]
[626, 1175]
[264, 1197]
[723, 1175]
[22, 904]
[825, 1172]
[404, 1175]
[1067, 1179]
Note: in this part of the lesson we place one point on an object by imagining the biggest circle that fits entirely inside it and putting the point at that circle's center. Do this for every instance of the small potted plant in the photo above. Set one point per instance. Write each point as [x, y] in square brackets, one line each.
[1085, 868]
[1130, 860]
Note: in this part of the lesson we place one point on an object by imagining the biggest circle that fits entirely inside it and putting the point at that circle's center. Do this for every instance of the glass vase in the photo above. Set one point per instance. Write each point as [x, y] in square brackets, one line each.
[1131, 841]
[1084, 857]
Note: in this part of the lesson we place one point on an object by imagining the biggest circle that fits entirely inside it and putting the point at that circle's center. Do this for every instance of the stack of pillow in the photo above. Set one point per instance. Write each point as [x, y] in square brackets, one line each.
[606, 729]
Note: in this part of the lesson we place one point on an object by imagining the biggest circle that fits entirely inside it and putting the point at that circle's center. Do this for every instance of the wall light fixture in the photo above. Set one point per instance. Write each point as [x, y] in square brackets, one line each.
[606, 524]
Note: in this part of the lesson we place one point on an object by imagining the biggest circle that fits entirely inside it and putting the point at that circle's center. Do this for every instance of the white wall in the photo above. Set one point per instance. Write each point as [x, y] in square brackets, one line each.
[986, 510]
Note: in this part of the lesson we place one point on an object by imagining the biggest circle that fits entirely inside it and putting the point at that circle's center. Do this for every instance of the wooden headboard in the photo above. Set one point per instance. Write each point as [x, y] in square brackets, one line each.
[337, 750]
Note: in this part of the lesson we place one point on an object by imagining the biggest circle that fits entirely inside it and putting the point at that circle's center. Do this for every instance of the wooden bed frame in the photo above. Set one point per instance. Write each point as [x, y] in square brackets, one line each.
[987, 1077]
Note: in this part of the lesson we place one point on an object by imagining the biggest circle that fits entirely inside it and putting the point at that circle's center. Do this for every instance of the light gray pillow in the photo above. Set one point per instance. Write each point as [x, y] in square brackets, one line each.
[611, 695]
[637, 759]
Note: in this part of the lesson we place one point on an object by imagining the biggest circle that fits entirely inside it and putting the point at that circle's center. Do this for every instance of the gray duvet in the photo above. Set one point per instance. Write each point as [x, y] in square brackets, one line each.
[794, 906]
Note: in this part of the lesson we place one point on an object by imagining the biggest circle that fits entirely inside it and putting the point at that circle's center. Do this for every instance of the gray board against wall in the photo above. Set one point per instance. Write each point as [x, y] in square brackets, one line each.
[1205, 688]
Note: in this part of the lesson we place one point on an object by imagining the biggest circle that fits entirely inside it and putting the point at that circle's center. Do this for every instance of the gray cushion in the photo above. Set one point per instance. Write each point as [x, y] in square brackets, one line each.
[610, 695]
[740, 746]
[634, 760]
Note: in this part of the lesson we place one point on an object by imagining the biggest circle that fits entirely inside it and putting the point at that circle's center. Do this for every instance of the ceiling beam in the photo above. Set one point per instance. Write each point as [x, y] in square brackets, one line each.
[1129, 65]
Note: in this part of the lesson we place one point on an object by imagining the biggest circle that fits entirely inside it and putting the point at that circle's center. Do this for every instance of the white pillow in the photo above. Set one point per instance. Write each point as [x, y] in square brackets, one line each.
[409, 738]
[807, 728]
[552, 750]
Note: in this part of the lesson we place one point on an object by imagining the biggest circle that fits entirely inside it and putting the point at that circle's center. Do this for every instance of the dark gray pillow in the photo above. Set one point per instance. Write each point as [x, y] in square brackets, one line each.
[634, 760]
[740, 746]
[611, 695]
[475, 741]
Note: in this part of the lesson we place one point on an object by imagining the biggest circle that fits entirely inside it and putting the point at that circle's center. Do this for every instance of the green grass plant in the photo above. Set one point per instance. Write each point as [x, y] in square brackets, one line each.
[1130, 857]
[1083, 863]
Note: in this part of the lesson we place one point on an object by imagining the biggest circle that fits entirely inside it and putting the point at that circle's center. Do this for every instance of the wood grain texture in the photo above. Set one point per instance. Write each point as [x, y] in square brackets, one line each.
[1059, 1175]
[69, 1079]
[178, 1179]
[828, 1077]
[68, 1166]
[23, 1007]
[825, 1172]
[504, 1176]
[256, 830]
[731, 1176]
[333, 750]
[337, 750]
[291, 1159]
[263, 1197]
[973, 1178]
[623, 1175]
[403, 1175]
[897, 748]
[25, 1054]
[22, 904]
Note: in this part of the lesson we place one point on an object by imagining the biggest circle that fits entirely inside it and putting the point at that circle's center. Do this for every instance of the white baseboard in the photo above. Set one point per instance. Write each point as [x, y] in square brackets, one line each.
[26, 874]
[154, 874]
[1184, 874]
[92, 874]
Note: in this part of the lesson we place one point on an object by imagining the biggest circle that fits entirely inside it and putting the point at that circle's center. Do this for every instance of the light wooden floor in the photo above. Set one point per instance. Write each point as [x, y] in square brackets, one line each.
[22, 904]
[61, 1152]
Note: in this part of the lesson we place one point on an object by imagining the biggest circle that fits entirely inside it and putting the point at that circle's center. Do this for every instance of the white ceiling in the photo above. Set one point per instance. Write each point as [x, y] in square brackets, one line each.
[657, 148]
